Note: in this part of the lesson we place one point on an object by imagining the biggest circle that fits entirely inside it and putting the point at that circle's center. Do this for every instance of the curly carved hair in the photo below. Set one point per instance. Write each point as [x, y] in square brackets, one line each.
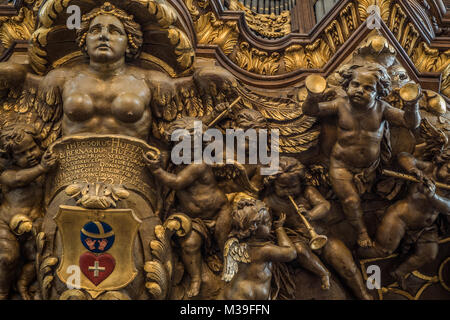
[246, 222]
[380, 72]
[286, 165]
[13, 135]
[132, 28]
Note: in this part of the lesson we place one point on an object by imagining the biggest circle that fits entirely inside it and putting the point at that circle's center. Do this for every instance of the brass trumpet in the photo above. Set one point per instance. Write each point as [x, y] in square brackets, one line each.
[317, 240]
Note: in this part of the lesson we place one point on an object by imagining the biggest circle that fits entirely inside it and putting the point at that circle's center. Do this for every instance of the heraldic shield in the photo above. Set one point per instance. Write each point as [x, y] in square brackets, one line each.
[100, 243]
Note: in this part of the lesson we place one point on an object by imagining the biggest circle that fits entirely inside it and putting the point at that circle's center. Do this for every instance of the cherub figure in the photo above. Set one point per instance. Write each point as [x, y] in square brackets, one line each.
[21, 184]
[289, 181]
[361, 121]
[413, 219]
[249, 251]
[201, 199]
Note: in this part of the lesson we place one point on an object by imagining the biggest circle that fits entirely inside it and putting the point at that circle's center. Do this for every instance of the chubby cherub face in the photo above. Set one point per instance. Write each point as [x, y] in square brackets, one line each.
[362, 89]
[288, 184]
[27, 153]
[264, 227]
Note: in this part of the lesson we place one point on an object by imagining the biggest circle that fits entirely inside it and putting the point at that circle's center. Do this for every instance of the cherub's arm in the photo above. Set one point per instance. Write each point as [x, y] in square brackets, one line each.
[313, 107]
[285, 250]
[320, 205]
[20, 178]
[183, 179]
[442, 204]
[408, 118]
[411, 164]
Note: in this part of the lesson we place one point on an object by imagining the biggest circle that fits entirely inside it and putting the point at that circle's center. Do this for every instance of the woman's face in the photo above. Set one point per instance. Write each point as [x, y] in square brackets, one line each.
[106, 39]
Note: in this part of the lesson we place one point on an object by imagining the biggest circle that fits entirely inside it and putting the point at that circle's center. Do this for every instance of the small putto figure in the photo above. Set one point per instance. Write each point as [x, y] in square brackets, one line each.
[362, 119]
[410, 223]
[22, 184]
[249, 252]
[201, 199]
[290, 183]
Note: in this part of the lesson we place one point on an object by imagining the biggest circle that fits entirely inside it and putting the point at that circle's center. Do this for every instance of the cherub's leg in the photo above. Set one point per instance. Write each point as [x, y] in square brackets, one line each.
[26, 277]
[9, 257]
[308, 260]
[192, 259]
[351, 203]
[223, 226]
[389, 233]
[340, 258]
[424, 253]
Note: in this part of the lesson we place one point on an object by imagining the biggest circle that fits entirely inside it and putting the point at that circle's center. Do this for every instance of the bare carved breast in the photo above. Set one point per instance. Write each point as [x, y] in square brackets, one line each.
[115, 105]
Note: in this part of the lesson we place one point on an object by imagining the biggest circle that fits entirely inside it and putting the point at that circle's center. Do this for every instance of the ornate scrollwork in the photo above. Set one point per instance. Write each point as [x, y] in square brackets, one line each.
[18, 27]
[211, 30]
[266, 25]
[258, 61]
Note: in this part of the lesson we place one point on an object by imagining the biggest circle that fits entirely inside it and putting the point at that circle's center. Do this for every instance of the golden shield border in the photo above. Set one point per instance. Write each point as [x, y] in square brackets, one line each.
[125, 223]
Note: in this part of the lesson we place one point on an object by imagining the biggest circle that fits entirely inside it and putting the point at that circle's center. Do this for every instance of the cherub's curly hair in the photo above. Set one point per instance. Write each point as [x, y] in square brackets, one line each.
[286, 165]
[383, 78]
[132, 28]
[245, 222]
[13, 135]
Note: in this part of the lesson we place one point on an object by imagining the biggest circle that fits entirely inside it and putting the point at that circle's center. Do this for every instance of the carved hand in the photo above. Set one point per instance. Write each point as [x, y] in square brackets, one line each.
[428, 188]
[48, 160]
[418, 174]
[280, 222]
[153, 160]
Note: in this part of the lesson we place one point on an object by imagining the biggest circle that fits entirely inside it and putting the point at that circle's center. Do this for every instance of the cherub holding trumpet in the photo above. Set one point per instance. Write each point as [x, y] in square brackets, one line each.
[286, 192]
[361, 123]
[411, 222]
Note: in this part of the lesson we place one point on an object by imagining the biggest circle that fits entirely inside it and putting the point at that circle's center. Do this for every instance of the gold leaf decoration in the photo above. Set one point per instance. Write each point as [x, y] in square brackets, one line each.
[384, 5]
[210, 30]
[19, 27]
[427, 59]
[317, 54]
[266, 25]
[295, 58]
[254, 60]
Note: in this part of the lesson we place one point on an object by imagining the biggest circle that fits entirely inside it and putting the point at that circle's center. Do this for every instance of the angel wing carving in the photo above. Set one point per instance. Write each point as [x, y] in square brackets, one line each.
[234, 253]
[236, 172]
[28, 99]
[211, 86]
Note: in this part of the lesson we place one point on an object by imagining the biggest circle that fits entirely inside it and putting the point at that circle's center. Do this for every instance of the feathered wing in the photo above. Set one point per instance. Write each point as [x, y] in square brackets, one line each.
[210, 86]
[36, 103]
[49, 109]
[297, 131]
[435, 139]
[17, 97]
[234, 171]
[234, 252]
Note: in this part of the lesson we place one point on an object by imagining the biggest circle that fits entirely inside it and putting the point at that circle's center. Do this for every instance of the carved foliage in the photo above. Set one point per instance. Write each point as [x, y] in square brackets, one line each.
[267, 25]
[254, 60]
[19, 27]
[211, 30]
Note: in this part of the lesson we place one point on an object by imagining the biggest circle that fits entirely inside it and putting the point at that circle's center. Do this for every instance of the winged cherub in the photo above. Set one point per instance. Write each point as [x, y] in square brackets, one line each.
[249, 251]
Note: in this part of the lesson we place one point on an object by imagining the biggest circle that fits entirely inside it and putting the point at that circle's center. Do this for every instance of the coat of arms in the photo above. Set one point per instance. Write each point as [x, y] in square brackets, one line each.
[98, 242]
